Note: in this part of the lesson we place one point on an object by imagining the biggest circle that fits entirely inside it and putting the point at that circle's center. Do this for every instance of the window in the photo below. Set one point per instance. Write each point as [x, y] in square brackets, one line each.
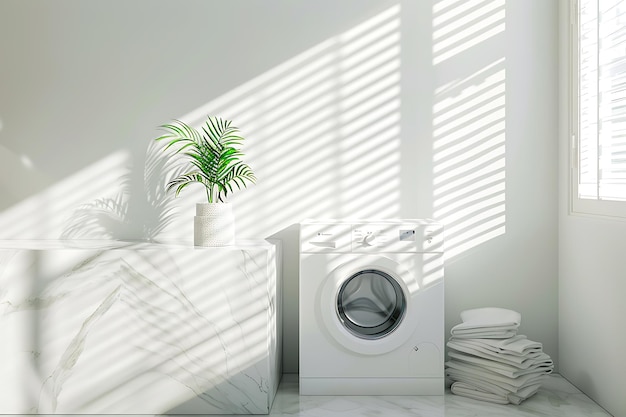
[599, 106]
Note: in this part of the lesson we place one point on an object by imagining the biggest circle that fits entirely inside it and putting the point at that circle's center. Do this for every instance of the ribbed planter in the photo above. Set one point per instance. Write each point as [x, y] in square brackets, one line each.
[214, 225]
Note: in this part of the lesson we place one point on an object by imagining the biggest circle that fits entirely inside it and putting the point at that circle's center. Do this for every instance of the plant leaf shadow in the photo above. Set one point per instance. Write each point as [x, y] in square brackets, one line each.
[112, 217]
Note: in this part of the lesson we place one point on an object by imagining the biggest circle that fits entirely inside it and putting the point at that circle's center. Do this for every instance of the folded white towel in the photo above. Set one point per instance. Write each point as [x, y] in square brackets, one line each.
[489, 361]
[515, 395]
[482, 384]
[518, 345]
[498, 388]
[471, 390]
[477, 372]
[490, 322]
[501, 332]
[469, 346]
[524, 393]
[491, 316]
[512, 371]
[491, 386]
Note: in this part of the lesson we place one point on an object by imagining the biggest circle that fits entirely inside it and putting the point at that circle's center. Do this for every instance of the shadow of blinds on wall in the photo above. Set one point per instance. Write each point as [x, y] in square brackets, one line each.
[599, 38]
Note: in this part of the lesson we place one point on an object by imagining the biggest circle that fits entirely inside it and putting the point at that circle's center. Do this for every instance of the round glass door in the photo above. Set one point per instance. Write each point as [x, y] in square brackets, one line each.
[371, 304]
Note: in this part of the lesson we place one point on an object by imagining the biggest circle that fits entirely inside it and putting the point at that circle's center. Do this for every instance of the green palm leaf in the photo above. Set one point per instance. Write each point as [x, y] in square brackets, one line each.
[214, 155]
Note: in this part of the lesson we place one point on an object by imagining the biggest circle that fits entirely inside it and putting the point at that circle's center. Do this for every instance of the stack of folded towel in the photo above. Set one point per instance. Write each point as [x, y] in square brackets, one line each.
[489, 361]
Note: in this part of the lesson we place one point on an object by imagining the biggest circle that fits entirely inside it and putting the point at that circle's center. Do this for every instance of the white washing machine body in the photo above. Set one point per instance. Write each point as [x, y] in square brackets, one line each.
[371, 307]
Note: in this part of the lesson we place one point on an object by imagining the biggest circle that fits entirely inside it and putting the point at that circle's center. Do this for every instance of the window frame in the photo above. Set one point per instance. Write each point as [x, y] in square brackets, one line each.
[586, 206]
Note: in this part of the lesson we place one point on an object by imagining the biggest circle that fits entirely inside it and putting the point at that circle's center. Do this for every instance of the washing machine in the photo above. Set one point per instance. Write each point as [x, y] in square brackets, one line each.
[371, 307]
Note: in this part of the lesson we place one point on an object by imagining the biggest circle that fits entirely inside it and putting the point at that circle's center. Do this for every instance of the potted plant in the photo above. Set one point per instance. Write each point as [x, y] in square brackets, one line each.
[214, 158]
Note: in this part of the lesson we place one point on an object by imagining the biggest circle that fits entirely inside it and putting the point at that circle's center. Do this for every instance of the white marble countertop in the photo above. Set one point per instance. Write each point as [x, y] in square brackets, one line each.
[111, 327]
[103, 244]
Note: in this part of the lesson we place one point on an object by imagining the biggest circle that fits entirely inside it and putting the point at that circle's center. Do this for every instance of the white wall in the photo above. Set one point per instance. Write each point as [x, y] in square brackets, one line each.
[592, 282]
[358, 108]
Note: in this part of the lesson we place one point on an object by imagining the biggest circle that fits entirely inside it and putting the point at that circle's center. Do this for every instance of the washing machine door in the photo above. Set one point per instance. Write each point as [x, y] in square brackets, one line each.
[366, 304]
[371, 303]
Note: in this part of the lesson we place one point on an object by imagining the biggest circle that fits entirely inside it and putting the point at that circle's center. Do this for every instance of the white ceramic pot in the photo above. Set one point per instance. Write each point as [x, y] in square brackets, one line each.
[214, 225]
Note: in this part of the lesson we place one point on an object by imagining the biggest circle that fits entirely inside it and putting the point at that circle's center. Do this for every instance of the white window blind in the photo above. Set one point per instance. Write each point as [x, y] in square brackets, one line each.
[600, 73]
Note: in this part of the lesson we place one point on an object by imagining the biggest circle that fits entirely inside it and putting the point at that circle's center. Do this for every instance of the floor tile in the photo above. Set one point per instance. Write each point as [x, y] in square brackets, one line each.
[556, 398]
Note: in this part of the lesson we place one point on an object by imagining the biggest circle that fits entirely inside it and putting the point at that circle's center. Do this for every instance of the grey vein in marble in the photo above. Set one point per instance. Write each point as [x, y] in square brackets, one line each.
[146, 330]
[556, 398]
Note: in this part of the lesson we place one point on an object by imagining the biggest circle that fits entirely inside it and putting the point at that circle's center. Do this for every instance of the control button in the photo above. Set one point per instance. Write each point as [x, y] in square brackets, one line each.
[369, 239]
[407, 234]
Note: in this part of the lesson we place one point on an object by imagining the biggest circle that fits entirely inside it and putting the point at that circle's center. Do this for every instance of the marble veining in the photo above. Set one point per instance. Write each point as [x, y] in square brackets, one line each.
[138, 329]
[556, 398]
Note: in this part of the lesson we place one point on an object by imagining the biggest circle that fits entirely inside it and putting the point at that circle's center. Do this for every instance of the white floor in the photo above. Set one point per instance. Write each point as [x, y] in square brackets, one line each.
[557, 398]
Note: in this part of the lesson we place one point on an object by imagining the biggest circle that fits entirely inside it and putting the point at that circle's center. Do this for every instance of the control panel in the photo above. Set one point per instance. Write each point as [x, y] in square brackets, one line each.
[405, 237]
[365, 237]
